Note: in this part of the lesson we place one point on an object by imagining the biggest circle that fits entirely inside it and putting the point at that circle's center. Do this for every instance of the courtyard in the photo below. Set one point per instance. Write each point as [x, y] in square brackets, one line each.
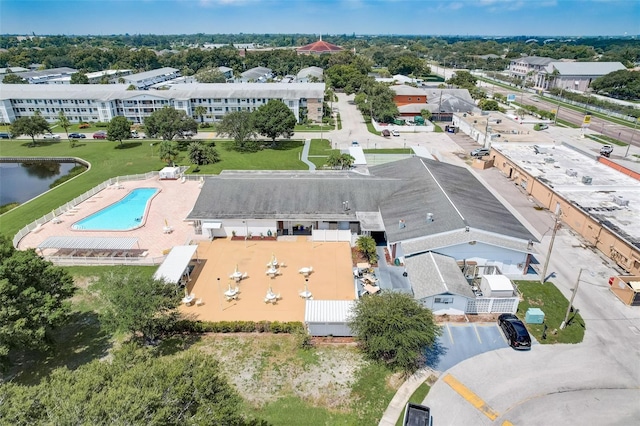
[331, 279]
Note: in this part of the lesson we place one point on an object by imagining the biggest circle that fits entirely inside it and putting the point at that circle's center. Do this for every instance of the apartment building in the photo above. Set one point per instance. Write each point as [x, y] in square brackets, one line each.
[101, 102]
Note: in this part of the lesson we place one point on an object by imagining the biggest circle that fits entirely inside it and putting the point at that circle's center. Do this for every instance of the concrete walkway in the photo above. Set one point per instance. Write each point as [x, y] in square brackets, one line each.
[305, 155]
[400, 399]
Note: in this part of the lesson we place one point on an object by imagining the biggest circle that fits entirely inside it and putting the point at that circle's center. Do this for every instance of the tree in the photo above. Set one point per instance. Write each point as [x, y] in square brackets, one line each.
[488, 105]
[168, 151]
[133, 387]
[407, 64]
[200, 154]
[33, 297]
[11, 78]
[239, 125]
[378, 103]
[426, 114]
[367, 246]
[200, 111]
[340, 161]
[132, 87]
[30, 126]
[395, 328]
[63, 122]
[139, 305]
[168, 123]
[79, 78]
[463, 79]
[119, 128]
[622, 84]
[210, 75]
[274, 119]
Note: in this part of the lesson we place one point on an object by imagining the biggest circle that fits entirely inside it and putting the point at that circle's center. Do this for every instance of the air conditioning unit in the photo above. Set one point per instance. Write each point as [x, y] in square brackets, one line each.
[621, 201]
[587, 180]
[549, 160]
[571, 172]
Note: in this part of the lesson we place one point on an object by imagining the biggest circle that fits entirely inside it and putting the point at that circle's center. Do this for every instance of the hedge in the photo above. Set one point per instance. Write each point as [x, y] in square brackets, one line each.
[238, 327]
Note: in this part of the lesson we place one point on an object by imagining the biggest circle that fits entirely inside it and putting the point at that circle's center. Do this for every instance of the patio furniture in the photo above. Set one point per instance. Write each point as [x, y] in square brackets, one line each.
[271, 298]
[272, 271]
[199, 302]
[306, 294]
[167, 229]
[306, 270]
[364, 265]
[371, 289]
[188, 299]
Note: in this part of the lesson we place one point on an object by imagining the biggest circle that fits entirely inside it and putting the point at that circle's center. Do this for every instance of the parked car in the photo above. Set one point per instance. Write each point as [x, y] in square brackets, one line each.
[395, 133]
[386, 133]
[479, 152]
[100, 135]
[515, 331]
[606, 150]
[77, 136]
[355, 143]
[6, 135]
[50, 136]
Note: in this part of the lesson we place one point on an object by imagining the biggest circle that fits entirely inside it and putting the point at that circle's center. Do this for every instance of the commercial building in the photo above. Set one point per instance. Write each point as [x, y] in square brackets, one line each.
[102, 102]
[574, 75]
[43, 76]
[318, 48]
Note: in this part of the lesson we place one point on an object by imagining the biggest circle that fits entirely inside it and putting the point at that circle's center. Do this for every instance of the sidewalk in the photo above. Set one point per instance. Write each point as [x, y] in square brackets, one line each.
[400, 399]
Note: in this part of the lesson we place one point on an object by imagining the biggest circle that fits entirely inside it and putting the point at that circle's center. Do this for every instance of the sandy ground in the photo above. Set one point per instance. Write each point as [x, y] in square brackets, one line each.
[332, 278]
[173, 203]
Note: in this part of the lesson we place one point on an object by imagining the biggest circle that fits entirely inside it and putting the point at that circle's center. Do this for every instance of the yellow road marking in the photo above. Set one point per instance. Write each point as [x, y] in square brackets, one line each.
[471, 397]
[507, 423]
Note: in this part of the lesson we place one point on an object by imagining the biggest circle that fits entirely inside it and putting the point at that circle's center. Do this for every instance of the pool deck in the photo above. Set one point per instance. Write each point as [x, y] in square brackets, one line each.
[173, 203]
[331, 279]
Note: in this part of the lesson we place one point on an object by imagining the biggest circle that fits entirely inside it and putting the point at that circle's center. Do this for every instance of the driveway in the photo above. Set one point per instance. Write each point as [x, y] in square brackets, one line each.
[460, 342]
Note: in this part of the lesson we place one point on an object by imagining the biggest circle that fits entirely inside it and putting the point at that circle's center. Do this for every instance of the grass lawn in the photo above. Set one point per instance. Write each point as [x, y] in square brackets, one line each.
[554, 305]
[313, 127]
[319, 151]
[417, 397]
[110, 159]
[605, 140]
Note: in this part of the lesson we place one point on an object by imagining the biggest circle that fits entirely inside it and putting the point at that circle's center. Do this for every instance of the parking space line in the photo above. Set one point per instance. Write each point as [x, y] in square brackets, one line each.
[450, 334]
[471, 397]
[477, 333]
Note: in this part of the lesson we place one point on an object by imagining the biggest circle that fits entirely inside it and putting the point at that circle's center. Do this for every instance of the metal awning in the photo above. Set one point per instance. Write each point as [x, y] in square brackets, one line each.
[175, 264]
[211, 225]
[89, 243]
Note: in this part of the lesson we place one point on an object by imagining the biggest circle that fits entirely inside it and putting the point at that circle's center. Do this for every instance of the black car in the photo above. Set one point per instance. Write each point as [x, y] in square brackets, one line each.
[515, 331]
[77, 136]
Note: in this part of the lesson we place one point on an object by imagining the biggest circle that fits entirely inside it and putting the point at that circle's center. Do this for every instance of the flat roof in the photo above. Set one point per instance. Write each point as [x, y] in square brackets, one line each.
[89, 243]
[604, 198]
[151, 74]
[173, 267]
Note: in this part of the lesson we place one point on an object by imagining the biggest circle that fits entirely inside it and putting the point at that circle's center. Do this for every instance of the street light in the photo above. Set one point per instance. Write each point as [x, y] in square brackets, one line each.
[573, 295]
[555, 121]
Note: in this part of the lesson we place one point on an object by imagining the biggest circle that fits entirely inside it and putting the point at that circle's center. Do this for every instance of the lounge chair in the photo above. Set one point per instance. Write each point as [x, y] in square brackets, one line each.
[199, 302]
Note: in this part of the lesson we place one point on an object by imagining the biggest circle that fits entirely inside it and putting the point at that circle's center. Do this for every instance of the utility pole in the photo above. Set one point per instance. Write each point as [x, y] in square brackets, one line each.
[556, 225]
[555, 121]
[573, 295]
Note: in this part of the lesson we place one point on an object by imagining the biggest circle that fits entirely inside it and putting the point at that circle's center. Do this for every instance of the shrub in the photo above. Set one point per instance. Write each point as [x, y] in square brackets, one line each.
[84, 126]
[205, 125]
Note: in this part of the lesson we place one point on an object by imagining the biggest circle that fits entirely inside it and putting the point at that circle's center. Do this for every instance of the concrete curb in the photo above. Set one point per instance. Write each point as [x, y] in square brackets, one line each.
[400, 399]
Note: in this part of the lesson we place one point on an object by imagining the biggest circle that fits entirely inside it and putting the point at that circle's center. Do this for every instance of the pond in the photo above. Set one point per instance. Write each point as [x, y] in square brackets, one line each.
[20, 182]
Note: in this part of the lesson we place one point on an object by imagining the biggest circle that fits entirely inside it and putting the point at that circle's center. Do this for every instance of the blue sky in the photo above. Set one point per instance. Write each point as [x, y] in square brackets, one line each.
[425, 17]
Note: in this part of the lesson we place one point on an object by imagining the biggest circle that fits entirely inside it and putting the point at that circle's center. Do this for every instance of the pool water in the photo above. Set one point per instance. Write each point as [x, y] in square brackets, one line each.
[128, 213]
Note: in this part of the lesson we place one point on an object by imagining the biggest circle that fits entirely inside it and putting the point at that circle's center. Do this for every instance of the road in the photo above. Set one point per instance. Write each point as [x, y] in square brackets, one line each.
[622, 133]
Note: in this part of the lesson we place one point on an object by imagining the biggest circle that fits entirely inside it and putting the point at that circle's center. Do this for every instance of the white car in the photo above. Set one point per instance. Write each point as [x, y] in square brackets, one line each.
[395, 133]
[50, 136]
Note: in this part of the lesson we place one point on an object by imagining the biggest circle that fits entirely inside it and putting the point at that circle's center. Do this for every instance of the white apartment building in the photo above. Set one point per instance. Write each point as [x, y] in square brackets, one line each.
[102, 102]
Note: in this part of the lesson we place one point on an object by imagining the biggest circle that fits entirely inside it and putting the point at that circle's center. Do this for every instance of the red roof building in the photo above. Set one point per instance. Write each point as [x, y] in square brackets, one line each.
[319, 47]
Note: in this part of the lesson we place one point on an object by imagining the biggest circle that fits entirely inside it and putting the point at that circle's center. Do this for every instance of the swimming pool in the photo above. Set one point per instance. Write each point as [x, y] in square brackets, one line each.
[128, 213]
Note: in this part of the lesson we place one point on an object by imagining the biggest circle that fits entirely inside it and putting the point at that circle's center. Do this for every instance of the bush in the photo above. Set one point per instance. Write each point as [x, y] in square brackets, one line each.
[84, 126]
[188, 326]
[101, 124]
[204, 125]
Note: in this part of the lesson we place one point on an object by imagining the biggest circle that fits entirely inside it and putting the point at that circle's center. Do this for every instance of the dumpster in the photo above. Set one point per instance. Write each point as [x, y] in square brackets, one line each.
[534, 316]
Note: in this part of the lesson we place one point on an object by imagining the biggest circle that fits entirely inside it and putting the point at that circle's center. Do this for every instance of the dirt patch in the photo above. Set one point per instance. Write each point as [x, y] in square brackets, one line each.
[467, 318]
[264, 368]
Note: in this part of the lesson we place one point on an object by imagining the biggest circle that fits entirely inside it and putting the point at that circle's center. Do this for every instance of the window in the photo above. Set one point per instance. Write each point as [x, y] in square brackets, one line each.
[444, 300]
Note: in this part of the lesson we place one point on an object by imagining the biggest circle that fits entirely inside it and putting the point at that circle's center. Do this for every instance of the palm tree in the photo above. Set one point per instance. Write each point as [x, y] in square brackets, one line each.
[64, 122]
[200, 111]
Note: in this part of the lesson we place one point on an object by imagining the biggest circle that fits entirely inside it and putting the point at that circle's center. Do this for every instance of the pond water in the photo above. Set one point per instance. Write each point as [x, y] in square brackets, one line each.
[20, 182]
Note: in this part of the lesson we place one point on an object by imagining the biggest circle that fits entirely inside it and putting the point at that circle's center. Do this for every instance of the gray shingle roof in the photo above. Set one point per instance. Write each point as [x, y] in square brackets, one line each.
[150, 74]
[534, 60]
[431, 274]
[406, 189]
[255, 73]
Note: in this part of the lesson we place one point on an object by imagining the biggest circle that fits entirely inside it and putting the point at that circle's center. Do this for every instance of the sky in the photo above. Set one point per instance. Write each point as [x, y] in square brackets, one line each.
[420, 17]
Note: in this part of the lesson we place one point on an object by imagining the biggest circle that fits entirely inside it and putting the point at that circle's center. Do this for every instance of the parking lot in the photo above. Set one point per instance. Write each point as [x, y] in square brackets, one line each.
[462, 341]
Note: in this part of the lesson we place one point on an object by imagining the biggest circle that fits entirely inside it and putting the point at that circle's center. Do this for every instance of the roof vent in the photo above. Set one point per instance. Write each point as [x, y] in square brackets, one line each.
[587, 180]
[571, 172]
[401, 224]
[549, 160]
[429, 217]
[621, 201]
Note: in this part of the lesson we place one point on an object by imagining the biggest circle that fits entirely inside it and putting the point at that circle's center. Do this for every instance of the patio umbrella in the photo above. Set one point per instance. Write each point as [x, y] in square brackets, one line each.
[236, 271]
[166, 223]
